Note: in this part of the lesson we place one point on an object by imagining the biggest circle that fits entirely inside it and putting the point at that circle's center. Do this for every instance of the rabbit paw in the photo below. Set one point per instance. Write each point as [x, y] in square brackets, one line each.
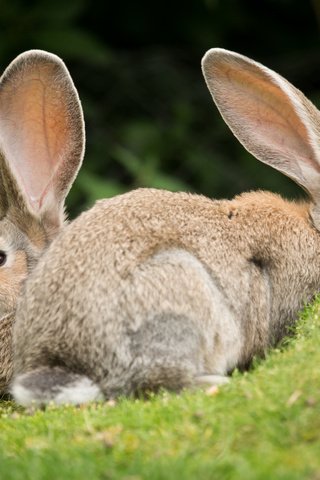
[210, 380]
[54, 384]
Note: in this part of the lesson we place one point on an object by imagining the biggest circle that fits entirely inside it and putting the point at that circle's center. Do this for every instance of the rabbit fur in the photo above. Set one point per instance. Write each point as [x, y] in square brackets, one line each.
[154, 289]
[41, 149]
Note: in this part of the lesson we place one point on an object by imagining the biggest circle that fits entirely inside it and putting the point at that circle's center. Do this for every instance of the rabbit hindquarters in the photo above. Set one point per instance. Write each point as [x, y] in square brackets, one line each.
[185, 327]
[170, 327]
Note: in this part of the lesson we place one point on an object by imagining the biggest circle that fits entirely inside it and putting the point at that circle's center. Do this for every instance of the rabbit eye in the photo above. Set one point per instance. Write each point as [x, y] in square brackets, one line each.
[3, 258]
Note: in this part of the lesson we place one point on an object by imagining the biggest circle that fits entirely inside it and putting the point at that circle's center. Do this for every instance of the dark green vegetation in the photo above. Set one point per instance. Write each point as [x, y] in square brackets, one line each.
[150, 119]
[265, 424]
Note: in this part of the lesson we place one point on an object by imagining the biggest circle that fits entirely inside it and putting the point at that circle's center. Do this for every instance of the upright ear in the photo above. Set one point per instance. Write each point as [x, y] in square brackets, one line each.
[271, 118]
[41, 136]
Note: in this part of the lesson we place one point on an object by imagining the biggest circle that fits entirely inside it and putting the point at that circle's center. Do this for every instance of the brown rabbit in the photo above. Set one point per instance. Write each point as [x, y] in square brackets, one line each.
[156, 289]
[41, 149]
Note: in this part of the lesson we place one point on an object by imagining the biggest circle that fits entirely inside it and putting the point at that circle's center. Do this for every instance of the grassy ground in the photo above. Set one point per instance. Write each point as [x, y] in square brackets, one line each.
[264, 425]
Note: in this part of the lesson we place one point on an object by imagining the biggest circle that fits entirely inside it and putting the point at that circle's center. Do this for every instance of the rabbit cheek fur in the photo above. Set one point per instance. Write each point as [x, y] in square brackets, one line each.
[183, 289]
[20, 251]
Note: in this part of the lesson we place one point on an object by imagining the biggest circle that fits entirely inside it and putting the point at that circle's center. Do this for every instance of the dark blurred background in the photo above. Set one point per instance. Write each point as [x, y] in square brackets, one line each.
[150, 119]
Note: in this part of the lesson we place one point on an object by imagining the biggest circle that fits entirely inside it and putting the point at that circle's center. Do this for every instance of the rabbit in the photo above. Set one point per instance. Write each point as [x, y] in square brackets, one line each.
[41, 150]
[154, 289]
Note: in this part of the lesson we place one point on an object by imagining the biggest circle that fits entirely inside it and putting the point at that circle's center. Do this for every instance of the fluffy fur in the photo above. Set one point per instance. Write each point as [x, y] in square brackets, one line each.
[156, 289]
[151, 297]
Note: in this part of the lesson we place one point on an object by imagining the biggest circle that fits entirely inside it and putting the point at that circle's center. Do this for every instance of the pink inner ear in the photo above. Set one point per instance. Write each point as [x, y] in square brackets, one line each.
[271, 118]
[270, 115]
[34, 134]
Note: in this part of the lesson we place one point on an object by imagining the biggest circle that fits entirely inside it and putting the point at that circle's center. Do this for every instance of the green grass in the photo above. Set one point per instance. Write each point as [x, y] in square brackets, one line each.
[264, 425]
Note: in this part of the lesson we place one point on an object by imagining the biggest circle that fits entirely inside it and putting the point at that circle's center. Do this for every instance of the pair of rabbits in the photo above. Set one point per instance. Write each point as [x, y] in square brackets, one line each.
[149, 289]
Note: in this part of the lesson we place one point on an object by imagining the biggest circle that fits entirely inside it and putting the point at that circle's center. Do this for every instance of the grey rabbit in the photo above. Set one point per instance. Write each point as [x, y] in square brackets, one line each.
[41, 150]
[154, 289]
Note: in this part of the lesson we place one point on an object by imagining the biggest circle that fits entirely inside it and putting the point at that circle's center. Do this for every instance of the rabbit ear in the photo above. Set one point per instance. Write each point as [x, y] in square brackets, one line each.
[41, 135]
[270, 117]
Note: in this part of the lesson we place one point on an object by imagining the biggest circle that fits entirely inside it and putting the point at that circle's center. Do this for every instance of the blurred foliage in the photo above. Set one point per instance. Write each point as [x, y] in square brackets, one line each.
[150, 119]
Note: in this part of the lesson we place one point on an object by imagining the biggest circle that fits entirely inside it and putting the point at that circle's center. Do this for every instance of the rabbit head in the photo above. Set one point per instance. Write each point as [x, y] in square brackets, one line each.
[178, 288]
[41, 149]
